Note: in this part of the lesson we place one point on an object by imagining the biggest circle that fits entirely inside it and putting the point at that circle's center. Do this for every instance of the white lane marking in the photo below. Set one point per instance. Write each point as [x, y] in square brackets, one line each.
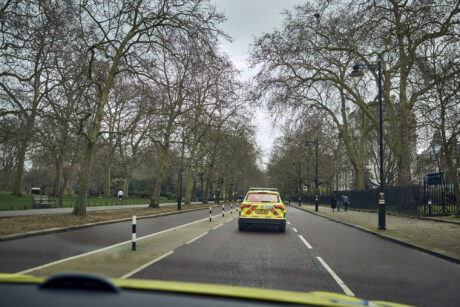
[145, 265]
[295, 230]
[289, 223]
[217, 226]
[107, 247]
[305, 242]
[336, 278]
[201, 235]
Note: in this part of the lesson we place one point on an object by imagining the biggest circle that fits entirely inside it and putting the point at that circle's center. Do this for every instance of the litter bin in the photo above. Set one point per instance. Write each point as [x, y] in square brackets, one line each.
[35, 191]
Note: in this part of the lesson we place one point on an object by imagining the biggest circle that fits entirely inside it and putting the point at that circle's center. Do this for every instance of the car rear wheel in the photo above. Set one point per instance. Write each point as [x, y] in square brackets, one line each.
[282, 228]
[240, 227]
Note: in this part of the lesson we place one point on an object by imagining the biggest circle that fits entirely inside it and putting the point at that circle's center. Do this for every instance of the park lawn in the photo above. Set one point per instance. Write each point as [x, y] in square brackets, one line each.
[11, 202]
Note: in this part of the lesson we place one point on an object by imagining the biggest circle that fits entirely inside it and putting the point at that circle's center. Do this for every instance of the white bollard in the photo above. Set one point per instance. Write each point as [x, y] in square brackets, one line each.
[210, 213]
[223, 210]
[133, 240]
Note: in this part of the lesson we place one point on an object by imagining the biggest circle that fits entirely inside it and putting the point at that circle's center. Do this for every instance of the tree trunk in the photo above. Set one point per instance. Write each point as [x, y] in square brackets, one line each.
[155, 201]
[358, 183]
[207, 190]
[188, 183]
[126, 186]
[20, 167]
[405, 154]
[61, 192]
[108, 181]
[193, 198]
[22, 150]
[58, 178]
[80, 204]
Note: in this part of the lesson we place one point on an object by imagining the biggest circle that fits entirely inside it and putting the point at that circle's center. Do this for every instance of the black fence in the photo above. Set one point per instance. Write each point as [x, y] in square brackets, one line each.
[404, 199]
[323, 199]
[426, 199]
[440, 198]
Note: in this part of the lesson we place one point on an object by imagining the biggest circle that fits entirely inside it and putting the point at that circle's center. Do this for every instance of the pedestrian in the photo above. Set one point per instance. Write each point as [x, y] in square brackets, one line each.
[338, 205]
[345, 202]
[333, 202]
[120, 194]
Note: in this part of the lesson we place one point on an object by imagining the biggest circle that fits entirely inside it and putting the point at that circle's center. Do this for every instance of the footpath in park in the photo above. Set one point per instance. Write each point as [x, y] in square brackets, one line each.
[439, 236]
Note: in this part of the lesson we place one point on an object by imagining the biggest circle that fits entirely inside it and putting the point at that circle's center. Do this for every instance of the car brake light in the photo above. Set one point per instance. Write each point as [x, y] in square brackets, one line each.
[245, 205]
[278, 207]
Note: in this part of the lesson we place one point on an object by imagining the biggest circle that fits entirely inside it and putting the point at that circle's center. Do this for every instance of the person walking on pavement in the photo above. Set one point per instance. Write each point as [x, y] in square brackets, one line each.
[338, 205]
[333, 202]
[120, 194]
[345, 201]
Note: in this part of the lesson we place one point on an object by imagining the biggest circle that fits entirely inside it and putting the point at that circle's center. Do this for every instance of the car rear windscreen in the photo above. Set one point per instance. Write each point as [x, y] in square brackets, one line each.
[262, 197]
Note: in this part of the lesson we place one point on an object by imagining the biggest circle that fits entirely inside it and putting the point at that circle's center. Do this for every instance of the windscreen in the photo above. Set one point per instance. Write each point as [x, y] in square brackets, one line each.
[262, 197]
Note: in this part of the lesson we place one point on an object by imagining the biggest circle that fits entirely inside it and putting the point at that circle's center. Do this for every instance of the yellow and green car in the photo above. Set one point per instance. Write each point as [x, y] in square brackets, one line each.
[262, 206]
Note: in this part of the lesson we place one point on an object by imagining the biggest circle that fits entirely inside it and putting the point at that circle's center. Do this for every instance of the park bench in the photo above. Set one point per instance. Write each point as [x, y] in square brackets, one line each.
[42, 201]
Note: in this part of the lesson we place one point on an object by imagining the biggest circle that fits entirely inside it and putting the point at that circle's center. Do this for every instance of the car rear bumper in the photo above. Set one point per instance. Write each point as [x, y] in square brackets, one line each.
[255, 221]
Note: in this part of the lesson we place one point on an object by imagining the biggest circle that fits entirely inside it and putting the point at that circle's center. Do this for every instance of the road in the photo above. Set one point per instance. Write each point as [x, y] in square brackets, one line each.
[314, 254]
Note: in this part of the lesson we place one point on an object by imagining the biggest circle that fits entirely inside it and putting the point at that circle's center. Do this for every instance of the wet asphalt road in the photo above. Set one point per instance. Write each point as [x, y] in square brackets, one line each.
[371, 267]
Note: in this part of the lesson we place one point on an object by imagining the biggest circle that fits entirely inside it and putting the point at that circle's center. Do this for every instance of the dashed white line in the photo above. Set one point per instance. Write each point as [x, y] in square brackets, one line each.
[295, 230]
[289, 223]
[194, 239]
[145, 265]
[336, 278]
[305, 242]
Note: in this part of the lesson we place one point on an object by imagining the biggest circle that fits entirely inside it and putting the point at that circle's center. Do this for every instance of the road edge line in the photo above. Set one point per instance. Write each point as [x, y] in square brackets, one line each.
[137, 270]
[198, 237]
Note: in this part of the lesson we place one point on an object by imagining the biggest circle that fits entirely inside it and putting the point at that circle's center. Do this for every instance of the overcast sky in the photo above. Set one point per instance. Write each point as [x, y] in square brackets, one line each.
[247, 19]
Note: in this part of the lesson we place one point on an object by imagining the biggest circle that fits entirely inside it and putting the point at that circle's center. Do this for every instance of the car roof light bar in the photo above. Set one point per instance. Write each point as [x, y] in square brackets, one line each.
[263, 189]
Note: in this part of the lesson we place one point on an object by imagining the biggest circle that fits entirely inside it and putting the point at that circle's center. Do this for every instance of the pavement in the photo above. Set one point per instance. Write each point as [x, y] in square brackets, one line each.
[436, 235]
[11, 213]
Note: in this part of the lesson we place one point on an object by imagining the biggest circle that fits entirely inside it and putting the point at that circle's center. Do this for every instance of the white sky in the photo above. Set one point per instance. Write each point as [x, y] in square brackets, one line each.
[247, 19]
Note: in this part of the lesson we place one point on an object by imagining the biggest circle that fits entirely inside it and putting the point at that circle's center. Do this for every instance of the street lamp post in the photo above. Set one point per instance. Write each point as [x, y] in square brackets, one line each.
[179, 200]
[300, 181]
[358, 72]
[218, 192]
[316, 171]
[219, 186]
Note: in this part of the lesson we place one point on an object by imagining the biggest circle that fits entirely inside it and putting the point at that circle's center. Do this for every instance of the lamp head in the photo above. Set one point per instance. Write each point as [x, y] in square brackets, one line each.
[357, 72]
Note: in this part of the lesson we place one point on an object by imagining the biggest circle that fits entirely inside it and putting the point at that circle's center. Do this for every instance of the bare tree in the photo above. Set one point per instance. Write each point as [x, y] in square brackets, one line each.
[29, 33]
[319, 44]
[440, 109]
[113, 34]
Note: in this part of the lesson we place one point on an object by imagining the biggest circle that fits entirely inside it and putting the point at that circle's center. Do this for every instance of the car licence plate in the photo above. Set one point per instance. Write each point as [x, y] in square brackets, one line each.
[261, 211]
